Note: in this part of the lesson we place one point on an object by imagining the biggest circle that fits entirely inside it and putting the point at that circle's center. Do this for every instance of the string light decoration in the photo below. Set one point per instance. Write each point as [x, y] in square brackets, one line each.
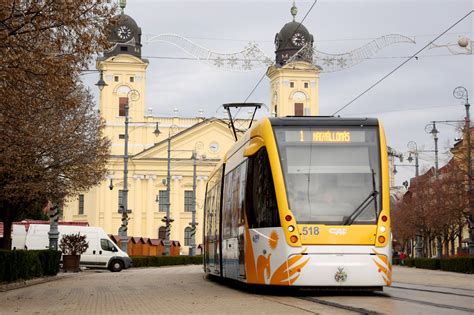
[252, 57]
[464, 46]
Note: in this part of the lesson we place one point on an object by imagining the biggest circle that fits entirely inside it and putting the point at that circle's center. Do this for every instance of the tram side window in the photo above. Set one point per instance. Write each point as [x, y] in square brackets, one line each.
[262, 209]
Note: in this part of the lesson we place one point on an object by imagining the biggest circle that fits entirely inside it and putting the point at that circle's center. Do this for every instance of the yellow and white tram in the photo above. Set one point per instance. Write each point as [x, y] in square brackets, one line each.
[302, 201]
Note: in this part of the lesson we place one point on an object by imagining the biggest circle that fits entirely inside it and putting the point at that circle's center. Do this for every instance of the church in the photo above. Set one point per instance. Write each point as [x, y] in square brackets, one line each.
[169, 159]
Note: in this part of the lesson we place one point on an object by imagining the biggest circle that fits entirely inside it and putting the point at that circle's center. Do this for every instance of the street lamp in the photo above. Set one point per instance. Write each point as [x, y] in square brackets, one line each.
[434, 133]
[101, 83]
[132, 95]
[461, 93]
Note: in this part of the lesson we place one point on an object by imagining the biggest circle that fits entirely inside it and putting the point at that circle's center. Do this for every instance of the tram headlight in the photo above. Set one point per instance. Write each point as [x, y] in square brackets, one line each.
[291, 228]
[294, 238]
[383, 229]
[381, 239]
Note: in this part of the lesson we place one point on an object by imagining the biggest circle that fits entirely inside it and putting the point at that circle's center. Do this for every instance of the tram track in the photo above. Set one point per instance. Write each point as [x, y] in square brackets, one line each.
[358, 310]
[426, 303]
[393, 296]
[432, 291]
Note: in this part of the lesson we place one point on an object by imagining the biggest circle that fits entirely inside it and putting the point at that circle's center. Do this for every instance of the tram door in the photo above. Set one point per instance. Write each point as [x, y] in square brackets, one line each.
[212, 231]
[232, 222]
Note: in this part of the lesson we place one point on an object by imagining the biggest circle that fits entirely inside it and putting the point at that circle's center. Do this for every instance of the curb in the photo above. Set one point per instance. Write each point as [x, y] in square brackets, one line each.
[31, 282]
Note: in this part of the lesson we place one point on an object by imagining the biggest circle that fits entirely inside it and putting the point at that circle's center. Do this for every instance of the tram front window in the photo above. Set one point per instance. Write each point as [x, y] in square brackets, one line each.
[332, 175]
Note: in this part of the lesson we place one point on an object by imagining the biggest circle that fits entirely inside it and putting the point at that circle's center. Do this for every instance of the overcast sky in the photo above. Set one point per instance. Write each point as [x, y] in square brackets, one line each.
[416, 94]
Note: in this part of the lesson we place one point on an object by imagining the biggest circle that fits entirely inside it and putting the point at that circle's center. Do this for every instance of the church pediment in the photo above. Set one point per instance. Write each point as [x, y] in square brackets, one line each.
[210, 138]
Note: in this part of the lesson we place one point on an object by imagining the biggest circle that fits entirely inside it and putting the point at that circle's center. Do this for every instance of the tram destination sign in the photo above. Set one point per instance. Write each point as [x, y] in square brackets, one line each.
[327, 136]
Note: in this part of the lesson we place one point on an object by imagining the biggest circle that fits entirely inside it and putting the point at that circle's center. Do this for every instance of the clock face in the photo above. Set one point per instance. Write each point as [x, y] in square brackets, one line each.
[124, 32]
[277, 42]
[214, 147]
[298, 39]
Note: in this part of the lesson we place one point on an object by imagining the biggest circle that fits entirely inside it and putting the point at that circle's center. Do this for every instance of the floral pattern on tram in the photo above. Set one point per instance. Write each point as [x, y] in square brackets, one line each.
[384, 267]
[259, 270]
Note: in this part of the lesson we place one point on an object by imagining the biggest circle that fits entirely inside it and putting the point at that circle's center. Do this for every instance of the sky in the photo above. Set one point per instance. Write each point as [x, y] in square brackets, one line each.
[419, 92]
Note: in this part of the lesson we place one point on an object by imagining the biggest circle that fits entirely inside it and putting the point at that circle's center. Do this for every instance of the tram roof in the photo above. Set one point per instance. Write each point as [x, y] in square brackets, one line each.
[322, 121]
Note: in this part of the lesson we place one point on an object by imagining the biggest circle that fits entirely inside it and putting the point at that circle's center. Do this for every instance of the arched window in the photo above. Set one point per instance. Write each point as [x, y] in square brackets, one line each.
[162, 232]
[187, 236]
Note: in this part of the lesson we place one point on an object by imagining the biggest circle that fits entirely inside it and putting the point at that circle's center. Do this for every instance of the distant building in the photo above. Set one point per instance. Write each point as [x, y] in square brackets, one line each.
[294, 91]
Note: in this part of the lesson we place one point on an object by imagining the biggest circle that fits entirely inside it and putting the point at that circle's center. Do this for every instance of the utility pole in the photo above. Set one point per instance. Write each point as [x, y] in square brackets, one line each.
[132, 95]
[461, 93]
[419, 239]
[123, 208]
[192, 248]
[168, 200]
[53, 232]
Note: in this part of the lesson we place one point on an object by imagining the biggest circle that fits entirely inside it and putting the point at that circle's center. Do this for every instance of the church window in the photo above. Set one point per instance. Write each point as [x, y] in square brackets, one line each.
[122, 103]
[187, 236]
[188, 200]
[123, 48]
[306, 85]
[162, 232]
[116, 78]
[292, 84]
[132, 79]
[81, 204]
[162, 200]
[121, 136]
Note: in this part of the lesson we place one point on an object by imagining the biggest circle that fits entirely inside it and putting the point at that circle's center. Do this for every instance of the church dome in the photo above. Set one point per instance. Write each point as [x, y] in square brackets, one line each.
[126, 35]
[292, 37]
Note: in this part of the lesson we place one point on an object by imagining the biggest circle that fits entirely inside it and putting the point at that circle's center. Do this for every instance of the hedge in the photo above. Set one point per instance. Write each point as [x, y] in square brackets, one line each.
[458, 264]
[463, 264]
[28, 264]
[157, 261]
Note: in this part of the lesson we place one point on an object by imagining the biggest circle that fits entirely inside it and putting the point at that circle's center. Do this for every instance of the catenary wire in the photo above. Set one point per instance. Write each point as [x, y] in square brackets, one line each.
[402, 64]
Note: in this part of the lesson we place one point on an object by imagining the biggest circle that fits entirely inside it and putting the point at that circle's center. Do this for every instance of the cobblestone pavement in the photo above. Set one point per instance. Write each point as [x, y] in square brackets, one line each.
[184, 290]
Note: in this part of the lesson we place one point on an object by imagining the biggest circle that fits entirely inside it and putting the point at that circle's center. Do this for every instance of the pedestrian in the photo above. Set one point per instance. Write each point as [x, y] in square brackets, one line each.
[402, 258]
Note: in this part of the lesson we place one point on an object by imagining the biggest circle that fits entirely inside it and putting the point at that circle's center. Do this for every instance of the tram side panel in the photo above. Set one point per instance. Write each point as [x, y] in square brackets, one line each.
[212, 252]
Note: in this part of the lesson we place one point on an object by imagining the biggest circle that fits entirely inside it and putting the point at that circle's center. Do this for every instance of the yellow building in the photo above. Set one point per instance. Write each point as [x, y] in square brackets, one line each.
[294, 91]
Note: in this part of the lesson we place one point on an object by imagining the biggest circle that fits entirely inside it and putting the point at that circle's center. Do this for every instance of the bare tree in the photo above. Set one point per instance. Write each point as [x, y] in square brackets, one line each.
[51, 144]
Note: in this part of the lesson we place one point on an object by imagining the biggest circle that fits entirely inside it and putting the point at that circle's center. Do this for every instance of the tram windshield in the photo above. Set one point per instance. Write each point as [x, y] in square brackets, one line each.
[332, 174]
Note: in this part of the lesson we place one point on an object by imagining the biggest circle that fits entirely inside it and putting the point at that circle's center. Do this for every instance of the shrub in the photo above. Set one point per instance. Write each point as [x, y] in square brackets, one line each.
[409, 262]
[22, 264]
[427, 263]
[73, 244]
[157, 261]
[458, 264]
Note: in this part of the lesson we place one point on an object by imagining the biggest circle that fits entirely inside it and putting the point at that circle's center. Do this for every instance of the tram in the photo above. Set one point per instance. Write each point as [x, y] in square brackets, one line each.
[302, 201]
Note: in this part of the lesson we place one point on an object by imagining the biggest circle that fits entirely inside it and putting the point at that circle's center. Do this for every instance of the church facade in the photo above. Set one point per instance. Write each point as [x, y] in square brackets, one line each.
[195, 140]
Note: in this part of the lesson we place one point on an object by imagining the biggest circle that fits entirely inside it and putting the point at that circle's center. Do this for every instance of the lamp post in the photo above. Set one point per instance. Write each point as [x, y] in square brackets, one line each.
[434, 132]
[167, 219]
[461, 93]
[132, 95]
[413, 147]
[192, 248]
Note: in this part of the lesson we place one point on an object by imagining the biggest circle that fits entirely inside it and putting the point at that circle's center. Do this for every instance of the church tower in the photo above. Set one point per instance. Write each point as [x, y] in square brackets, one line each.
[293, 78]
[123, 70]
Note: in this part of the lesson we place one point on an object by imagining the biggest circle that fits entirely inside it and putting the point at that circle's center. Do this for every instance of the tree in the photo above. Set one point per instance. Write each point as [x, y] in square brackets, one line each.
[51, 144]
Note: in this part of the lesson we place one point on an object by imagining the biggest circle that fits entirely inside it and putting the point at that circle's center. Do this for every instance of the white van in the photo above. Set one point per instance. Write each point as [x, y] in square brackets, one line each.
[18, 236]
[102, 252]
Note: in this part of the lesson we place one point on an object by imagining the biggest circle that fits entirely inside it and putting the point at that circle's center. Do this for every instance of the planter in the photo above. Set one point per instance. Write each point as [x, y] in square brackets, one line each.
[71, 263]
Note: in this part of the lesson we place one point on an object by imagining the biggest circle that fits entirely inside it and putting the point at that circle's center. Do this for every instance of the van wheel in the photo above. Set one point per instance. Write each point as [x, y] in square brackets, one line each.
[116, 266]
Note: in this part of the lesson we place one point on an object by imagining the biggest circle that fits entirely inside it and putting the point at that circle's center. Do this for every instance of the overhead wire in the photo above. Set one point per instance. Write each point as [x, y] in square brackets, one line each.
[402, 64]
